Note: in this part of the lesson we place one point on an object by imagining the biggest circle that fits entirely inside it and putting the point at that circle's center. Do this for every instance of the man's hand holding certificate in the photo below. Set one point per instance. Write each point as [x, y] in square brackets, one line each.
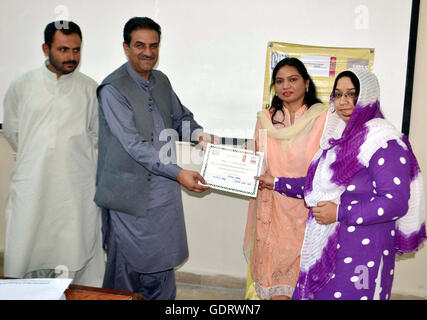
[232, 169]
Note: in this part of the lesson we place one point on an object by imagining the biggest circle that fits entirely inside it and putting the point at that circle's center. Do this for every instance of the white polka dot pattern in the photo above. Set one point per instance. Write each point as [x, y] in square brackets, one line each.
[351, 187]
[348, 260]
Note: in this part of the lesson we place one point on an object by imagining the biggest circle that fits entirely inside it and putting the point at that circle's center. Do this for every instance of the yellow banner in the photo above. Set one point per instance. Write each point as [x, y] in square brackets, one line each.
[322, 63]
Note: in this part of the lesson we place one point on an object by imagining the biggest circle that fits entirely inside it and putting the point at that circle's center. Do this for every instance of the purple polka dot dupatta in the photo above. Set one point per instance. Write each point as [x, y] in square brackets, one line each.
[345, 150]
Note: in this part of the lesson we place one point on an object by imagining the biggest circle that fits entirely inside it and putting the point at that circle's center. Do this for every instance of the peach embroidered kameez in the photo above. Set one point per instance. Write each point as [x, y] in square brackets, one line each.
[276, 224]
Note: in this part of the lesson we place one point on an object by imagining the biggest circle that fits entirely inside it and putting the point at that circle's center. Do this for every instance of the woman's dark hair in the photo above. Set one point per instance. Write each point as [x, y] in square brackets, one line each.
[66, 27]
[353, 79]
[310, 97]
[137, 23]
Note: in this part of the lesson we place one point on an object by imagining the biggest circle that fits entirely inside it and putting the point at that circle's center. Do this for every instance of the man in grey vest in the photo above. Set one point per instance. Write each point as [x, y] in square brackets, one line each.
[140, 193]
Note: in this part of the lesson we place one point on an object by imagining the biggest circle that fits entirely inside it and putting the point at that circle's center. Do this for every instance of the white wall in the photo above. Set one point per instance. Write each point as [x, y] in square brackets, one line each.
[214, 51]
[7, 162]
[215, 225]
[411, 271]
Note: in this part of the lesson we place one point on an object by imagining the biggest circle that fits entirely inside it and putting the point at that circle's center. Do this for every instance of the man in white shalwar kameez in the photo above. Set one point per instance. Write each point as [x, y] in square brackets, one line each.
[53, 227]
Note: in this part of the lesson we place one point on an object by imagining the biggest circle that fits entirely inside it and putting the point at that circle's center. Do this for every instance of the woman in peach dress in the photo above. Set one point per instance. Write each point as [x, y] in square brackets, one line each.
[288, 133]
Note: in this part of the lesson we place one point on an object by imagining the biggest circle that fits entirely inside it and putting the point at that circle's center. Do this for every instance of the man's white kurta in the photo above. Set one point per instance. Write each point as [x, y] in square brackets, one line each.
[51, 217]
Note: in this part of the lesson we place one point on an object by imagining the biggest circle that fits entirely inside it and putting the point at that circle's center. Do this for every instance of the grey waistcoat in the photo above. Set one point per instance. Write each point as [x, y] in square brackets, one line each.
[122, 184]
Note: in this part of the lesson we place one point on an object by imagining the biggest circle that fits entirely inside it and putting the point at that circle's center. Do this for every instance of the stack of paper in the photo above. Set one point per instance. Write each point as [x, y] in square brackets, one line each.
[33, 289]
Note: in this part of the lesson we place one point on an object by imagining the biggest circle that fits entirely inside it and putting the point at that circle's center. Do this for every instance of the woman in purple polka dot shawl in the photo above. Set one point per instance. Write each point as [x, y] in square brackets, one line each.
[365, 193]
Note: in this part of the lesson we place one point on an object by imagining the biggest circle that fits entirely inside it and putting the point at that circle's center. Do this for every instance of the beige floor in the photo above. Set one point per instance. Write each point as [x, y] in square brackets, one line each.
[186, 291]
[196, 287]
[197, 292]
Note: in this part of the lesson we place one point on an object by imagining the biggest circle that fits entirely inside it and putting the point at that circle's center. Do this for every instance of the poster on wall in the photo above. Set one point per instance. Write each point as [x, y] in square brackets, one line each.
[322, 63]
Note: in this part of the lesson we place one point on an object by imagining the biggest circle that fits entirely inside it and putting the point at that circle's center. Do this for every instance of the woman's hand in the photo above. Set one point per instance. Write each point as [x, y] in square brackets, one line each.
[266, 181]
[325, 212]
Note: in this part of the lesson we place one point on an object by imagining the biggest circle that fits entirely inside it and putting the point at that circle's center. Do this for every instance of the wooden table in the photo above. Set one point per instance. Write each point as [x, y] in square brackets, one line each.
[76, 292]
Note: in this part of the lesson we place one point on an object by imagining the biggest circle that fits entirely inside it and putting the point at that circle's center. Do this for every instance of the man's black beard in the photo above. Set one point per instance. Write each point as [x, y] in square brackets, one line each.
[58, 66]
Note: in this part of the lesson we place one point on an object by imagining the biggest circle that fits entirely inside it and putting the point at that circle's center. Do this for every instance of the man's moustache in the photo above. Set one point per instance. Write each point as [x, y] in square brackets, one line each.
[141, 57]
[71, 61]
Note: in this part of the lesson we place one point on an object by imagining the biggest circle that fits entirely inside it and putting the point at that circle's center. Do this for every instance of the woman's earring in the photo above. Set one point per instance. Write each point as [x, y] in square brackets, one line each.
[306, 89]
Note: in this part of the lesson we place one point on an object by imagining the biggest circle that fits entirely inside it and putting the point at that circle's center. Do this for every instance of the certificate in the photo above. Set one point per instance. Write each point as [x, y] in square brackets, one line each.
[232, 169]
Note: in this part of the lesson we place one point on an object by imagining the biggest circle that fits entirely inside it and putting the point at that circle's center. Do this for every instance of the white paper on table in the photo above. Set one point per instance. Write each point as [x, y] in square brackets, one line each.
[33, 289]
